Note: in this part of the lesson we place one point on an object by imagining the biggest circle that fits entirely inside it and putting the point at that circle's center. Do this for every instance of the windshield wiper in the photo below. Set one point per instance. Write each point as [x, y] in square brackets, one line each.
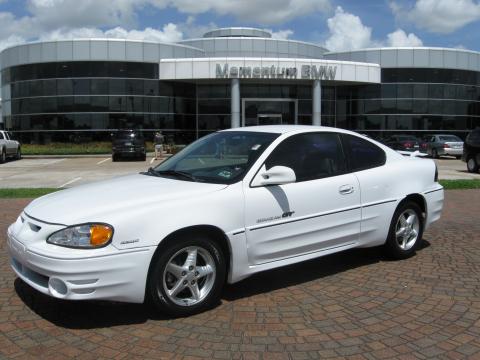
[151, 171]
[176, 173]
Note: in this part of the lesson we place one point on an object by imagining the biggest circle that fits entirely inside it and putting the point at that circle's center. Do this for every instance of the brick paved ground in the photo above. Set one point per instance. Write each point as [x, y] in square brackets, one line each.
[355, 305]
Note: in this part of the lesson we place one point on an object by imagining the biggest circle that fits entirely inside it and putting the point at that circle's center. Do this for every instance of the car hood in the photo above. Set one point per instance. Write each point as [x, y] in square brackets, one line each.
[96, 201]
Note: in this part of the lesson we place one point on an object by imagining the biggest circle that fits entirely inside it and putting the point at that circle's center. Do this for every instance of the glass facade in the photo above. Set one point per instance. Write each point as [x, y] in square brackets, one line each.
[65, 101]
[412, 100]
[57, 101]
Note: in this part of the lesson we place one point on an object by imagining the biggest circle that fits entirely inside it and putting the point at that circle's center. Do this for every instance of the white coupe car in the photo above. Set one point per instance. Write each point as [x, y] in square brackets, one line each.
[231, 204]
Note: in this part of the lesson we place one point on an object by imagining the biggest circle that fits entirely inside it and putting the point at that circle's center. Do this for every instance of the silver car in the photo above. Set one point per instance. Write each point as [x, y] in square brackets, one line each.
[439, 145]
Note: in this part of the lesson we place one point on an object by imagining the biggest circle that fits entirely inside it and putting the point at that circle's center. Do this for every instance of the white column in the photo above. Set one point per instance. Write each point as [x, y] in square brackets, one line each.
[317, 103]
[235, 102]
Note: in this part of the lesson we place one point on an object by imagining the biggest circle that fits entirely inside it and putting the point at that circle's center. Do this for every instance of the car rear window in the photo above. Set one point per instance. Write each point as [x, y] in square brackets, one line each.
[362, 154]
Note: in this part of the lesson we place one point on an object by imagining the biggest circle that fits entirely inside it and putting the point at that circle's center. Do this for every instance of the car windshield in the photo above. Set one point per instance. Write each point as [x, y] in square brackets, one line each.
[449, 138]
[222, 158]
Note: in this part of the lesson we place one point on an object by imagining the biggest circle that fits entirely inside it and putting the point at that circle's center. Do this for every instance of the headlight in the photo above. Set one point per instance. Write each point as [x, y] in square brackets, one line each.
[85, 236]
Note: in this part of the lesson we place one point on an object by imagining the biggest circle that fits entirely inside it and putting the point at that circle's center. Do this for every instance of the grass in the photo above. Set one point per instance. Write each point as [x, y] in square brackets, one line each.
[460, 184]
[90, 148]
[25, 192]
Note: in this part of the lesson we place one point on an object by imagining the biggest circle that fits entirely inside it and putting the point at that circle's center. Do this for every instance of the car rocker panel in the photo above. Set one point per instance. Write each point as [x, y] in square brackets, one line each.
[259, 227]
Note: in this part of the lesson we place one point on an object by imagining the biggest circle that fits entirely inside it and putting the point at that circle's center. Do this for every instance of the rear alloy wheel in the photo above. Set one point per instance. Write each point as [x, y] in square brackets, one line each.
[406, 230]
[187, 277]
[472, 165]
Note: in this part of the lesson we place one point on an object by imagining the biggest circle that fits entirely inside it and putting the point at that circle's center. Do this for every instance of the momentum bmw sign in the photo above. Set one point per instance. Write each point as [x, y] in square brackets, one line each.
[268, 69]
[312, 72]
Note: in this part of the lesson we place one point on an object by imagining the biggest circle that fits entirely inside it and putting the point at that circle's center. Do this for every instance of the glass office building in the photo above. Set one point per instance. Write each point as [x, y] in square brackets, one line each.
[81, 90]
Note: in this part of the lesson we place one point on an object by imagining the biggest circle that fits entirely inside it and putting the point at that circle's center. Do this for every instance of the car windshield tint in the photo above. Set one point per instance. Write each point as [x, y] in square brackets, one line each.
[222, 157]
[449, 138]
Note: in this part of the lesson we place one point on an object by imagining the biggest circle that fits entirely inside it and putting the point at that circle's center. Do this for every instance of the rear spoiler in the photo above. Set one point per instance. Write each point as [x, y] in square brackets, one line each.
[412, 154]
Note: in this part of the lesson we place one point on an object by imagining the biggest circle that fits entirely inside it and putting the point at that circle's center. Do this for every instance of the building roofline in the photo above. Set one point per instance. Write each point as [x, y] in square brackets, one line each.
[403, 48]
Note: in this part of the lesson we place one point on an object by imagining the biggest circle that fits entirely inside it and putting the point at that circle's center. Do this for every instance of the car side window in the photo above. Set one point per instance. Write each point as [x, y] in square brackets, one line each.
[362, 154]
[311, 156]
[1, 136]
[7, 135]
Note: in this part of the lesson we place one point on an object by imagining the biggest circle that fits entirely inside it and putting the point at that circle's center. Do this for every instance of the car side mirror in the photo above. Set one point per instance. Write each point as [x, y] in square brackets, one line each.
[277, 175]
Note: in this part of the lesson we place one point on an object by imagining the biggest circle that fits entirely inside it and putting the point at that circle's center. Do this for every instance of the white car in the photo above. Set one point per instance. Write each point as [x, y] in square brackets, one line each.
[9, 148]
[231, 204]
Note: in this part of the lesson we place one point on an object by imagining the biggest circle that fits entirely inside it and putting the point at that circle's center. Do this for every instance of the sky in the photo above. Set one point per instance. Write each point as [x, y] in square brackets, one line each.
[335, 24]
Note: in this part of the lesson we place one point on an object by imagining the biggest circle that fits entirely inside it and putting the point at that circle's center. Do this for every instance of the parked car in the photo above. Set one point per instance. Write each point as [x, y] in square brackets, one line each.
[471, 151]
[229, 205]
[403, 142]
[128, 143]
[9, 148]
[439, 145]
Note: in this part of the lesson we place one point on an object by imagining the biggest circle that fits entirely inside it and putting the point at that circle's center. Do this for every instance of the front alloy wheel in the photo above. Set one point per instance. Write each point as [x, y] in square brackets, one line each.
[186, 276]
[189, 276]
[406, 230]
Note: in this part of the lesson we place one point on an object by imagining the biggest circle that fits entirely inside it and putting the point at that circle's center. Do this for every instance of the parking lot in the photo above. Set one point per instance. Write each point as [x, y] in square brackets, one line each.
[68, 172]
[356, 305]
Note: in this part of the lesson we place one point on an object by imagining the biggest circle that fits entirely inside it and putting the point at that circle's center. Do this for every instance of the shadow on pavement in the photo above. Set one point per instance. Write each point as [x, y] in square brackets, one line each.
[99, 314]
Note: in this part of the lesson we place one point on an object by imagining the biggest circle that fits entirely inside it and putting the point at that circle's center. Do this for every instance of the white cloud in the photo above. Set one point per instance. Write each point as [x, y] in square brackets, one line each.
[260, 12]
[282, 34]
[438, 16]
[169, 33]
[400, 38]
[53, 14]
[66, 19]
[347, 32]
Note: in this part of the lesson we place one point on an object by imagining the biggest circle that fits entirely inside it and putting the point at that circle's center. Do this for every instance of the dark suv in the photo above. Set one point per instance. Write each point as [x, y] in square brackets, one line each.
[471, 151]
[129, 143]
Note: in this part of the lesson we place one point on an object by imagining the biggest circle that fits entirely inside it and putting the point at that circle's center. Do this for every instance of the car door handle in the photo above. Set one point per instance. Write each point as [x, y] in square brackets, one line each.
[345, 189]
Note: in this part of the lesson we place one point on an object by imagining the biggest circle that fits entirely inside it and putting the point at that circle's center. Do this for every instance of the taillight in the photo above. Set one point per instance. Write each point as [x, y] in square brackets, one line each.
[445, 146]
[408, 145]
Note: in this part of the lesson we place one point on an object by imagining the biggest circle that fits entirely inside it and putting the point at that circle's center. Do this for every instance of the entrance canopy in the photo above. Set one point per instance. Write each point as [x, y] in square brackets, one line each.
[268, 69]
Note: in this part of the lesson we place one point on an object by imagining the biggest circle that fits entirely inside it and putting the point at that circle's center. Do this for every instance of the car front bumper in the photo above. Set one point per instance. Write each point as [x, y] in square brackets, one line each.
[113, 274]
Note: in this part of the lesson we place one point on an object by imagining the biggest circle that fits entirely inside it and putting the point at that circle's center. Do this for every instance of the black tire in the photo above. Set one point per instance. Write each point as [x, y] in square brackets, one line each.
[472, 165]
[114, 158]
[156, 293]
[392, 245]
[435, 154]
[144, 157]
[3, 157]
[458, 157]
[19, 154]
